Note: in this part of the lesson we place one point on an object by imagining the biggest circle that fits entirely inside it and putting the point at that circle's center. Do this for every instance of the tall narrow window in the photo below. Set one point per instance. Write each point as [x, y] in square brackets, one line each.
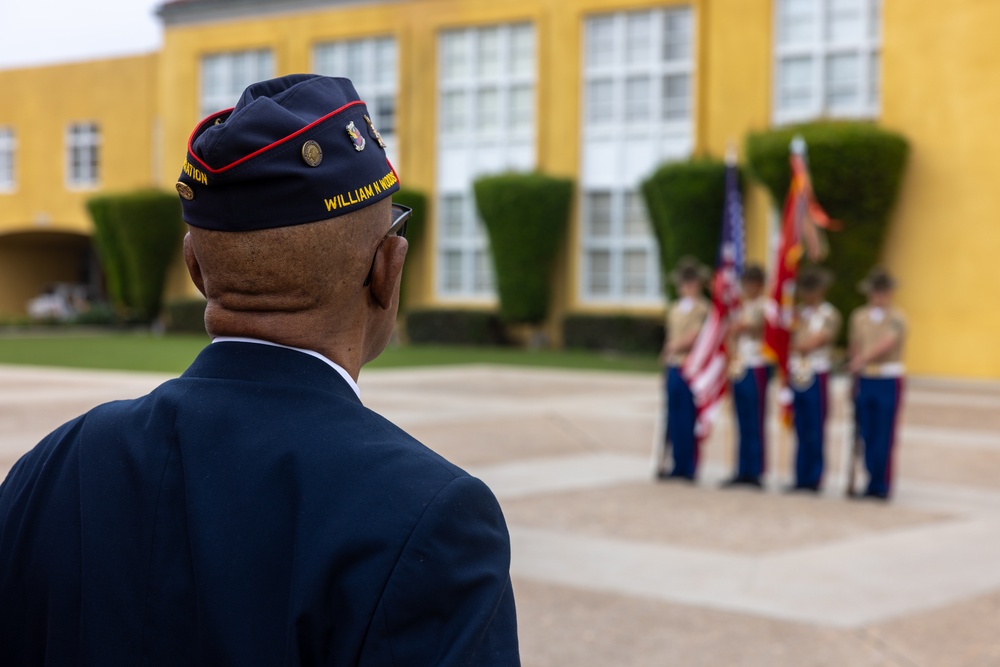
[826, 59]
[637, 113]
[8, 158]
[370, 64]
[486, 109]
[224, 76]
[83, 155]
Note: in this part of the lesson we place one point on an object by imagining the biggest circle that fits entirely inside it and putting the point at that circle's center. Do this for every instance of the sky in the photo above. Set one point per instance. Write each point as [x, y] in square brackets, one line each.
[42, 32]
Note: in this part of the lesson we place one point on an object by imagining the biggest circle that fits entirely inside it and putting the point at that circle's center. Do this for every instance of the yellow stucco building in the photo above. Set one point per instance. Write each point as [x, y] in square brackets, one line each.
[599, 90]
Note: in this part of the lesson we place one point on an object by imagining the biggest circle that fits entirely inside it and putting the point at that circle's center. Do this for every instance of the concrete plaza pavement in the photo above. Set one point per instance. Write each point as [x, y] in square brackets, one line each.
[613, 569]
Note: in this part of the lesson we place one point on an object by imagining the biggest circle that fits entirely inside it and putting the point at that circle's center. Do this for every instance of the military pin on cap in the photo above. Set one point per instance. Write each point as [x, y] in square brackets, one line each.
[378, 137]
[184, 190]
[312, 153]
[356, 138]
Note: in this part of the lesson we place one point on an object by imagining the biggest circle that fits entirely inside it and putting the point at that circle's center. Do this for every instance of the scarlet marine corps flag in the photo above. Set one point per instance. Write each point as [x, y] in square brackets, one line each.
[801, 219]
[706, 366]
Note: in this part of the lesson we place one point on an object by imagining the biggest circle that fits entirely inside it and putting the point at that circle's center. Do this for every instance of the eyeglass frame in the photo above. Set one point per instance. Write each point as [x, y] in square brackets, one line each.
[398, 228]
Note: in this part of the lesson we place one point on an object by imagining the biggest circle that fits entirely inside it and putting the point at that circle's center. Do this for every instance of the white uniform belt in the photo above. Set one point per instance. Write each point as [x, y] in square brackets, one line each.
[820, 366]
[892, 369]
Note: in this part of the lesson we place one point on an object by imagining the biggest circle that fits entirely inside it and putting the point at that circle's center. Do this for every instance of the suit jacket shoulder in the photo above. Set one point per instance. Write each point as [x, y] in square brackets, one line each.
[252, 511]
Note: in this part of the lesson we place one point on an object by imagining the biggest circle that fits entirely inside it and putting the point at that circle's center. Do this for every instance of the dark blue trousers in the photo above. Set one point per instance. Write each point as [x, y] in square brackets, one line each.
[680, 424]
[750, 399]
[810, 425]
[876, 407]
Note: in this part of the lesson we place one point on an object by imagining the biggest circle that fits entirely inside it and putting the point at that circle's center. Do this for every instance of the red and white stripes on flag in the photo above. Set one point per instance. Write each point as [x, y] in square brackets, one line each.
[706, 367]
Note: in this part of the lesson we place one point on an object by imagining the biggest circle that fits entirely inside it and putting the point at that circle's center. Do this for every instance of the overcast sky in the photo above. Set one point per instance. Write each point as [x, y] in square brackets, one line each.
[37, 32]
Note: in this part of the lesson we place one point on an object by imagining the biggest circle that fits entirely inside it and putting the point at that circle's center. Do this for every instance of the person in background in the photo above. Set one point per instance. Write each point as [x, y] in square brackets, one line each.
[876, 335]
[684, 320]
[814, 331]
[253, 511]
[750, 374]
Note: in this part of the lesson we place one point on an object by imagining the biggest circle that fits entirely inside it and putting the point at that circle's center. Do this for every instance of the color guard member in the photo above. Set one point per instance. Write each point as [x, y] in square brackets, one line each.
[876, 335]
[815, 329]
[750, 374]
[684, 321]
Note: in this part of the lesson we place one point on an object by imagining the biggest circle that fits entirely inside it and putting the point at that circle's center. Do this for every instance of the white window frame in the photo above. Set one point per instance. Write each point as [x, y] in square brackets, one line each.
[867, 48]
[237, 70]
[668, 139]
[8, 159]
[375, 81]
[505, 143]
[83, 155]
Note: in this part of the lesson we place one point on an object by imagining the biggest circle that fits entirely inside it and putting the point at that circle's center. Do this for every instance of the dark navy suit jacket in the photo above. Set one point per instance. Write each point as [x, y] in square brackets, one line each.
[250, 512]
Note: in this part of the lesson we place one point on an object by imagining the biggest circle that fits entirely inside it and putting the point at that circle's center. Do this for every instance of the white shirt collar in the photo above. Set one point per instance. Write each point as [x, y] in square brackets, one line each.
[332, 364]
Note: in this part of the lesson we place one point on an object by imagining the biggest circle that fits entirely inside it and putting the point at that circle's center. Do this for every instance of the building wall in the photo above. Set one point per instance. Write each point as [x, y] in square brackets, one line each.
[942, 90]
[939, 89]
[415, 25]
[40, 103]
[735, 80]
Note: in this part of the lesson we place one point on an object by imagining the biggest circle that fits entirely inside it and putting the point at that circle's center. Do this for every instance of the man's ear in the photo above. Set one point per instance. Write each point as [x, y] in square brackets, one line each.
[194, 268]
[387, 270]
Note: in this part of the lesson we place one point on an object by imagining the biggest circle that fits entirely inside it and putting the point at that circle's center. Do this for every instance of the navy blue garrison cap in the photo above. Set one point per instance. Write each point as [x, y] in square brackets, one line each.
[297, 149]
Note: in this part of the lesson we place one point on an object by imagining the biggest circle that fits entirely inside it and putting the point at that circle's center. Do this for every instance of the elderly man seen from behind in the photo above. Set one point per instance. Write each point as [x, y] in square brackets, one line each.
[253, 511]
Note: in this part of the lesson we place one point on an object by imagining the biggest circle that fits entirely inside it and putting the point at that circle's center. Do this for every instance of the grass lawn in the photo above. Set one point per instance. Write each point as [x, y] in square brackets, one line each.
[172, 354]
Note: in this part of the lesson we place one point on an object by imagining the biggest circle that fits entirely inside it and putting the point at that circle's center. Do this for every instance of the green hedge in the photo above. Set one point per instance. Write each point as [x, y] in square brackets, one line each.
[526, 217]
[185, 315]
[455, 327]
[136, 235]
[856, 170]
[416, 231]
[618, 333]
[685, 201]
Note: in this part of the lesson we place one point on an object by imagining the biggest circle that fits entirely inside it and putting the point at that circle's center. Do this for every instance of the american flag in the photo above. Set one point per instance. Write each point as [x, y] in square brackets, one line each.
[706, 366]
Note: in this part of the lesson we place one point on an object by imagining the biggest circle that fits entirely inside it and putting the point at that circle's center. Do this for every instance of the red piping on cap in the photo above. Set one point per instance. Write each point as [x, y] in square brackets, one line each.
[265, 148]
[393, 170]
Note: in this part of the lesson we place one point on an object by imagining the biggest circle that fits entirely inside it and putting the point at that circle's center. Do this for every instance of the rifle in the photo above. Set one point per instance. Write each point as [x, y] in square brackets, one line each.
[661, 443]
[854, 442]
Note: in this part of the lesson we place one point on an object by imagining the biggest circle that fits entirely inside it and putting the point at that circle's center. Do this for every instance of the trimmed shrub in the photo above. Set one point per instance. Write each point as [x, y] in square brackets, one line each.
[618, 333]
[685, 201]
[525, 217]
[415, 230]
[856, 170]
[100, 313]
[455, 327]
[108, 248]
[185, 315]
[136, 235]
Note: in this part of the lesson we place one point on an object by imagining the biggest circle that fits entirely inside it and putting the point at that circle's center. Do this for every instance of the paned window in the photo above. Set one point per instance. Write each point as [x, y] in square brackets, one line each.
[486, 110]
[637, 112]
[224, 76]
[827, 58]
[370, 64]
[8, 157]
[83, 155]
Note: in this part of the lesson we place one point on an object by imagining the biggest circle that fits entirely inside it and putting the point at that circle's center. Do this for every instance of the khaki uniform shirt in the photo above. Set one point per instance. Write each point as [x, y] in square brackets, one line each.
[868, 327]
[809, 321]
[684, 318]
[750, 342]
